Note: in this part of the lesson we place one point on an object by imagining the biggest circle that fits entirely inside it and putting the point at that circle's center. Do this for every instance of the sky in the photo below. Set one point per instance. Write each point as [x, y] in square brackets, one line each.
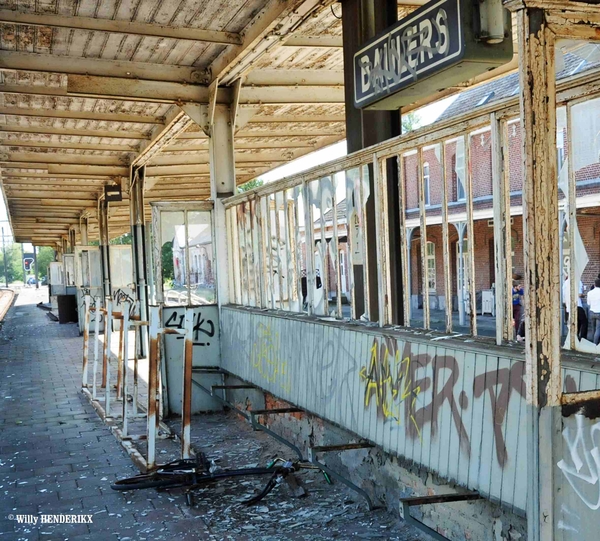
[426, 115]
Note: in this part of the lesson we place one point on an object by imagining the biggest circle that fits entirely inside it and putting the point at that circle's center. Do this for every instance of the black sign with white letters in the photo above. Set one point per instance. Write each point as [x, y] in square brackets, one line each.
[428, 40]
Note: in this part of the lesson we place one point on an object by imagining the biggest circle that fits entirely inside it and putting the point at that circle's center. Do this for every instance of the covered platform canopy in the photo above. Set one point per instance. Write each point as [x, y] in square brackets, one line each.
[88, 89]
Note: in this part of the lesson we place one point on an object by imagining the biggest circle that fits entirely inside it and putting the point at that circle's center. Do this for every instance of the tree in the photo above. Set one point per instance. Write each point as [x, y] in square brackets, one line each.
[166, 258]
[410, 121]
[45, 256]
[250, 185]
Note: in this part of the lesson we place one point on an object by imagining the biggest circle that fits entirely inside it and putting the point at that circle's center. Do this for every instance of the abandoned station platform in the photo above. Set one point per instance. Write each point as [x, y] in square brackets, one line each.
[411, 325]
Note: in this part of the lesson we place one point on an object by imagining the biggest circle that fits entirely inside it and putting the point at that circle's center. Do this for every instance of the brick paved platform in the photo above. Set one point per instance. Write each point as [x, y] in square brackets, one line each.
[57, 457]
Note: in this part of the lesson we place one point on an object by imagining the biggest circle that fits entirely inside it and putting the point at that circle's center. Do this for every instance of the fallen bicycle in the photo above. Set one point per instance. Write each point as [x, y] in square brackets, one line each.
[195, 473]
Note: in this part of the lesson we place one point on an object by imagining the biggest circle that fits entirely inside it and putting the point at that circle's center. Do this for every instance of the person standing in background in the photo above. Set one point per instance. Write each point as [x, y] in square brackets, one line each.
[593, 299]
[582, 322]
[517, 300]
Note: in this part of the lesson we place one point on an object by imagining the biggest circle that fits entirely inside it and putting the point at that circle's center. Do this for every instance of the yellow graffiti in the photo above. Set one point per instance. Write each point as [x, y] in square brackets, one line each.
[265, 358]
[389, 379]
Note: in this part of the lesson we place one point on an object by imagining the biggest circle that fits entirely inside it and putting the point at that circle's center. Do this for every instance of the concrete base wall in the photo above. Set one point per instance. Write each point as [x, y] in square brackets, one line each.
[388, 479]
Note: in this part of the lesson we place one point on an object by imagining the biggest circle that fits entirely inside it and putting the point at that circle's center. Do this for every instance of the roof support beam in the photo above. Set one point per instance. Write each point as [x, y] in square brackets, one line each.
[282, 77]
[38, 130]
[176, 123]
[80, 115]
[59, 157]
[276, 19]
[313, 134]
[119, 27]
[325, 42]
[169, 92]
[12, 143]
[99, 67]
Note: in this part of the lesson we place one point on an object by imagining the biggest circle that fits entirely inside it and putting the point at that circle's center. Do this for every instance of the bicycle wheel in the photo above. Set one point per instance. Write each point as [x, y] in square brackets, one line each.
[151, 480]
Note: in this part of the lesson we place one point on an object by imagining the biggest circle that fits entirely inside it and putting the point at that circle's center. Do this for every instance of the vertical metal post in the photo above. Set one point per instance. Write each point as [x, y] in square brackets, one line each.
[104, 242]
[404, 240]
[35, 268]
[153, 364]
[382, 239]
[336, 248]
[139, 249]
[278, 250]
[460, 275]
[323, 248]
[310, 247]
[500, 223]
[97, 316]
[83, 230]
[507, 231]
[86, 340]
[124, 364]
[542, 265]
[186, 406]
[571, 217]
[470, 237]
[446, 241]
[290, 268]
[423, 216]
[107, 355]
[120, 360]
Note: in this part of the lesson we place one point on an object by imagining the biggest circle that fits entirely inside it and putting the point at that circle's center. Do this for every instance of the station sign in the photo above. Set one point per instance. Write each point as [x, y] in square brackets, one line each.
[435, 47]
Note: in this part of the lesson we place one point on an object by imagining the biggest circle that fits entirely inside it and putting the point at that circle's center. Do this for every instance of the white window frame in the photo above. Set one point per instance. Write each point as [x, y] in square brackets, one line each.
[427, 187]
[431, 258]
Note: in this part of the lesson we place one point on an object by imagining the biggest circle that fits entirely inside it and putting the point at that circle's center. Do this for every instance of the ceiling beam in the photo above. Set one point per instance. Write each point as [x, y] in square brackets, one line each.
[9, 173]
[40, 194]
[94, 170]
[99, 67]
[119, 27]
[276, 19]
[238, 145]
[39, 130]
[313, 134]
[169, 92]
[284, 77]
[59, 157]
[80, 115]
[175, 123]
[314, 42]
[267, 119]
[139, 90]
[67, 145]
[203, 157]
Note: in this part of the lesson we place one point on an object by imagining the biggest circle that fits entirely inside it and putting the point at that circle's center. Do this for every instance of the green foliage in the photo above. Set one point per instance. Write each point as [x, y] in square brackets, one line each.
[123, 239]
[410, 122]
[166, 258]
[250, 185]
[44, 258]
[14, 262]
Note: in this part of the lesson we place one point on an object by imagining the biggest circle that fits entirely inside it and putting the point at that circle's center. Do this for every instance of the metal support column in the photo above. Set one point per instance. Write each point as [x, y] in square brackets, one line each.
[361, 20]
[542, 264]
[139, 249]
[83, 230]
[104, 241]
[222, 184]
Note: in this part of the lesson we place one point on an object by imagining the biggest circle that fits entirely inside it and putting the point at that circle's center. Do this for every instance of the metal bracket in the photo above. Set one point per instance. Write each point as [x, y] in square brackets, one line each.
[249, 415]
[407, 503]
[312, 451]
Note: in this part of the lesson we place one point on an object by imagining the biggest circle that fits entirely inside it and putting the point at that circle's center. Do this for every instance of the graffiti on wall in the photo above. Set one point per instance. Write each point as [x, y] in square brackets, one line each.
[203, 330]
[394, 381]
[581, 464]
[265, 359]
